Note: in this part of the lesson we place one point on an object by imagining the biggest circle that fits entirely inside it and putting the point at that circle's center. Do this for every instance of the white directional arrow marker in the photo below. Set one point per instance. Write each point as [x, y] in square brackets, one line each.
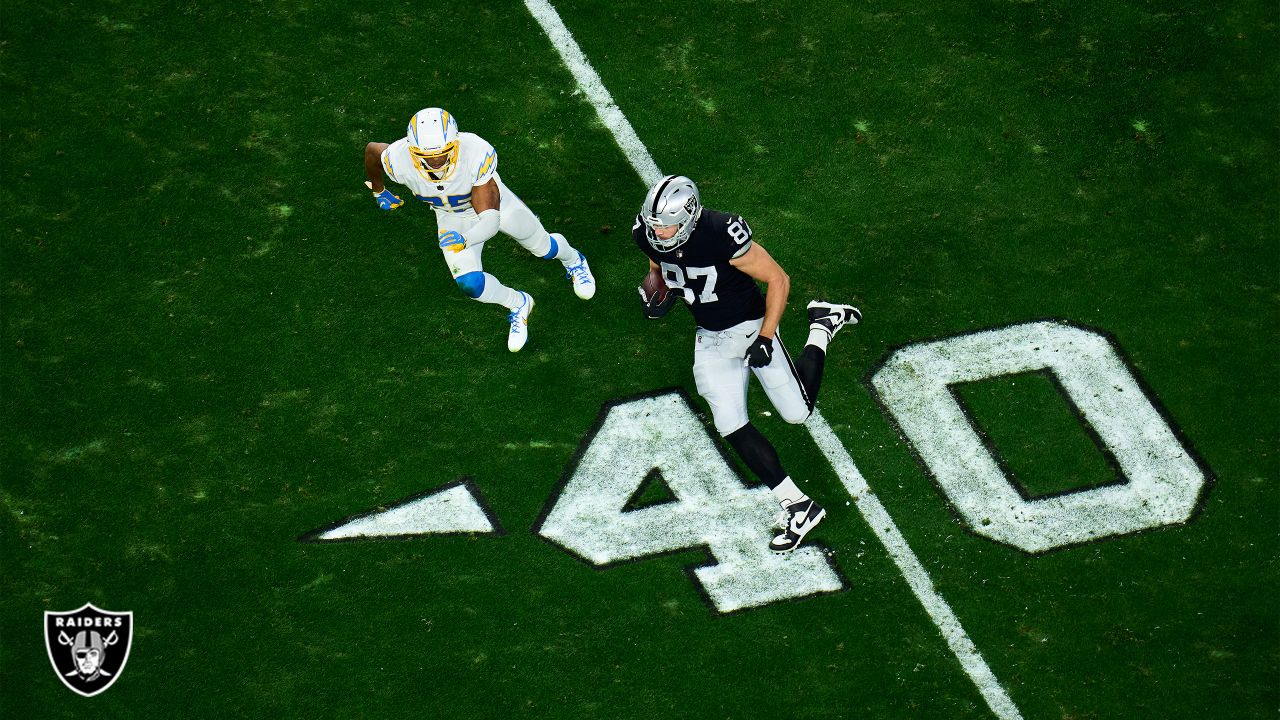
[450, 510]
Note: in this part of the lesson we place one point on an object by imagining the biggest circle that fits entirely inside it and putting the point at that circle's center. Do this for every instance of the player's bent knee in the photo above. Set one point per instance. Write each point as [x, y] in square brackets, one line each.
[520, 222]
[540, 245]
[796, 417]
[728, 426]
[471, 284]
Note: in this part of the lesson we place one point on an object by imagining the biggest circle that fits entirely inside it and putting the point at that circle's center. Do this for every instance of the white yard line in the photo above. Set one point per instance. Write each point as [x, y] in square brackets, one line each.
[872, 510]
[917, 577]
[590, 84]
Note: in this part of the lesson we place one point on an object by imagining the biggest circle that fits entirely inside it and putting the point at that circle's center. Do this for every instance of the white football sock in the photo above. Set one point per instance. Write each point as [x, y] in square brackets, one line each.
[787, 493]
[497, 293]
[566, 255]
[819, 337]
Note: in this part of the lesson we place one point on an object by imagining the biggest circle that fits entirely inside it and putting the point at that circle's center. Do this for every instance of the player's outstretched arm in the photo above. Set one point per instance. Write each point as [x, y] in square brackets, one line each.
[485, 200]
[373, 170]
[761, 266]
[373, 165]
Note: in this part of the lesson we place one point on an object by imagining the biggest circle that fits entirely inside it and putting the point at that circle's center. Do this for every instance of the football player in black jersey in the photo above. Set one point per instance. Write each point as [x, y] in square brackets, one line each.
[709, 260]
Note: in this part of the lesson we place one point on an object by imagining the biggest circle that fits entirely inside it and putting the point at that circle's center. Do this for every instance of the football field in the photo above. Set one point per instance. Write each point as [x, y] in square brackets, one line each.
[245, 405]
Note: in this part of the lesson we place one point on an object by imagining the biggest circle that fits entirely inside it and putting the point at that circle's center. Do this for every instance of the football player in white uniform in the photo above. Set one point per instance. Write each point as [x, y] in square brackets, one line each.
[457, 174]
[711, 260]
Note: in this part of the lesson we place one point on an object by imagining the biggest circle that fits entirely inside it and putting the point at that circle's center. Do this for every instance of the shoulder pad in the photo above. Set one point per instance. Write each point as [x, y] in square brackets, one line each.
[388, 164]
[486, 158]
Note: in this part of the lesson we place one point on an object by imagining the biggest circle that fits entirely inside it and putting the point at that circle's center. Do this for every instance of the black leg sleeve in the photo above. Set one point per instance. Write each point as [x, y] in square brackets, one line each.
[812, 360]
[757, 453]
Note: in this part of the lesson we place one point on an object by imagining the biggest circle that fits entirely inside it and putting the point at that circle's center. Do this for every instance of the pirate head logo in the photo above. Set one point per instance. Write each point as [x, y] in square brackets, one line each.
[88, 647]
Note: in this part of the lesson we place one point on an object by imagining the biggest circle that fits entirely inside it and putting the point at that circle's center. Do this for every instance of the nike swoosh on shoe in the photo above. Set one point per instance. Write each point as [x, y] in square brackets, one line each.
[801, 525]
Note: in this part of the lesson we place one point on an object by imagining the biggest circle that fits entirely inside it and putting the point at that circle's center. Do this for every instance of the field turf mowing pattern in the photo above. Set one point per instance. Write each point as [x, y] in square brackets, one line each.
[213, 342]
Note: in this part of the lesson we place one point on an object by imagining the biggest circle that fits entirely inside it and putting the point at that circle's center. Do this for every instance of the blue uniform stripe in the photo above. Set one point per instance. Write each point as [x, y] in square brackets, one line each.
[555, 249]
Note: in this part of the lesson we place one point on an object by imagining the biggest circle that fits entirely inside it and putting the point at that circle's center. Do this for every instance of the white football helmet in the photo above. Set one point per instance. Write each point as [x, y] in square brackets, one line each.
[673, 200]
[433, 143]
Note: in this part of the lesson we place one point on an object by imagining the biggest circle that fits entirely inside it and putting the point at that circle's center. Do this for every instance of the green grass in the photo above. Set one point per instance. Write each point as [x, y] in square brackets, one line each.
[213, 342]
[1036, 435]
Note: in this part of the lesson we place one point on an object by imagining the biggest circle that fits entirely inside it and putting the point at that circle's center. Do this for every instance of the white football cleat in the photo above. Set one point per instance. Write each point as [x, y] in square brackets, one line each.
[830, 317]
[584, 283]
[519, 319]
[797, 520]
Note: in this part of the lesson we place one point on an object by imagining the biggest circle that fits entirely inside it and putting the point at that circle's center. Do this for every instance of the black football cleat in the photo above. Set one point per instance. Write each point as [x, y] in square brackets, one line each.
[799, 519]
[830, 317]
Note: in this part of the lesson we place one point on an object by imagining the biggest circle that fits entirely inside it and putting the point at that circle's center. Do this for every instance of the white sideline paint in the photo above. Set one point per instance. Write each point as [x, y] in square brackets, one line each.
[872, 511]
[454, 510]
[590, 84]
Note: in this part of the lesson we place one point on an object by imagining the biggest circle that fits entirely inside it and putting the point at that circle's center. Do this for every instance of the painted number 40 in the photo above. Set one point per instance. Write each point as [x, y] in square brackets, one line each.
[596, 516]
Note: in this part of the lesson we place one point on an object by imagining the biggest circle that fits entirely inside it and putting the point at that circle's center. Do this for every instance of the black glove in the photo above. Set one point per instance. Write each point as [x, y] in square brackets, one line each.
[653, 308]
[761, 352]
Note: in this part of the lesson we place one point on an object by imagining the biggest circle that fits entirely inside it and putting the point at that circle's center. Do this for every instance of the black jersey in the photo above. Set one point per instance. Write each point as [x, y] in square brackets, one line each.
[719, 294]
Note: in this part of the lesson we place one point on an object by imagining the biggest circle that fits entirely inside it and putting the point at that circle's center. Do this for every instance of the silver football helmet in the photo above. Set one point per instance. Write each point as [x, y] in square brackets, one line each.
[672, 202]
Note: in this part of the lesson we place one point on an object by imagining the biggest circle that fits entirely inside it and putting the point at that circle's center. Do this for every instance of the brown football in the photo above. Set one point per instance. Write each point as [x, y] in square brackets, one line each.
[655, 287]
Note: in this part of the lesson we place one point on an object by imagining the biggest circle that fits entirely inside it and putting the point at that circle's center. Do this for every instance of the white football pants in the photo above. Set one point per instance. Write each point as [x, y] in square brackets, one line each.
[517, 222]
[720, 371]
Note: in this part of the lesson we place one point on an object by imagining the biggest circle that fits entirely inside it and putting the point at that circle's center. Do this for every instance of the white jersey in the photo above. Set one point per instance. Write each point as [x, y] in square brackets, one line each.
[477, 164]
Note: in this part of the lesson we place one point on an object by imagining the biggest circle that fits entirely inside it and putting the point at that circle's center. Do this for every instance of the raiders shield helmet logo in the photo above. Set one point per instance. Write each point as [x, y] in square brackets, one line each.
[88, 647]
